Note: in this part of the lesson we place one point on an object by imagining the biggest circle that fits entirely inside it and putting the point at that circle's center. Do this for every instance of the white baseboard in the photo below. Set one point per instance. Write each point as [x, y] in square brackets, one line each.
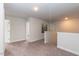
[17, 40]
[33, 40]
[68, 50]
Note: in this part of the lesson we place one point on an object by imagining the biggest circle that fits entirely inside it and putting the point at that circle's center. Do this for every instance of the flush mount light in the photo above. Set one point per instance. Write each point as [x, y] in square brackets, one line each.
[66, 18]
[35, 8]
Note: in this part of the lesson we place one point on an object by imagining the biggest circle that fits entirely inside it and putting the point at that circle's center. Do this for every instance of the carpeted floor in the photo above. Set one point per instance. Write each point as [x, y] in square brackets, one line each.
[34, 49]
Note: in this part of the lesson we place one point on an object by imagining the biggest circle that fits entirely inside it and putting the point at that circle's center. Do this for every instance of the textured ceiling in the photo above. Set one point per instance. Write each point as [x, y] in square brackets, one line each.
[46, 11]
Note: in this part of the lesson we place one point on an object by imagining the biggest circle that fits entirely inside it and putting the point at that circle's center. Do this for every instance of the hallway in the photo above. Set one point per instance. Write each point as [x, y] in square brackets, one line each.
[34, 49]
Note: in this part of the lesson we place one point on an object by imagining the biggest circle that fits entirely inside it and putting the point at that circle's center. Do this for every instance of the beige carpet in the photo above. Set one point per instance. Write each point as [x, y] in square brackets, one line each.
[34, 49]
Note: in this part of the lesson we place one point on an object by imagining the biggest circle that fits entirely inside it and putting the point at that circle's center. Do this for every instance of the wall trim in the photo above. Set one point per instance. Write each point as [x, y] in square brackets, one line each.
[60, 47]
[33, 40]
[17, 40]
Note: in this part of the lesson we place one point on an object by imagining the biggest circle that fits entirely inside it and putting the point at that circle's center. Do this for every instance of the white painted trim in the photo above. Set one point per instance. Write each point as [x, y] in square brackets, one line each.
[33, 40]
[16, 41]
[68, 50]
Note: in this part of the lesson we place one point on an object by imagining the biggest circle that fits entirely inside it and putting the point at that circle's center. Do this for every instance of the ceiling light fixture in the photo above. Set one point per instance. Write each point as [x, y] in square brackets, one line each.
[66, 18]
[35, 8]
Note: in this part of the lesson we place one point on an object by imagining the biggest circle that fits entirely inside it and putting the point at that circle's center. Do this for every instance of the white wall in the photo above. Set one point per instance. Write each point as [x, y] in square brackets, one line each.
[18, 30]
[68, 41]
[35, 29]
[1, 29]
[51, 26]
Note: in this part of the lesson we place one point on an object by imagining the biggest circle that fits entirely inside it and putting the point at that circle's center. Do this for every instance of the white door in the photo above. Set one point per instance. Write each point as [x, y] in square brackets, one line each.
[7, 31]
[27, 30]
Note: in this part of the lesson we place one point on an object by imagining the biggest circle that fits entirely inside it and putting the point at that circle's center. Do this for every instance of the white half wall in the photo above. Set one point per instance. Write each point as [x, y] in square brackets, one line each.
[17, 28]
[68, 42]
[1, 29]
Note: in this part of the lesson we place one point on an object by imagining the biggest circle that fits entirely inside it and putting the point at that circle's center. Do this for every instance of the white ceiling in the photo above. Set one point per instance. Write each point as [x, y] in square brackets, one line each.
[47, 11]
